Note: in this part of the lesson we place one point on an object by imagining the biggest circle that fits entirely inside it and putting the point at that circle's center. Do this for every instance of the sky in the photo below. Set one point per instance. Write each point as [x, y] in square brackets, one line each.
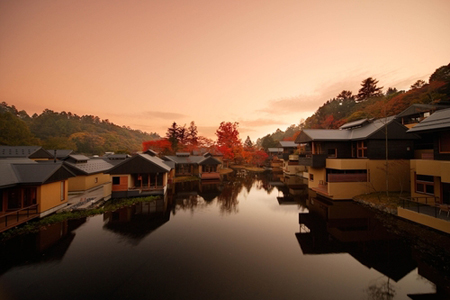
[264, 64]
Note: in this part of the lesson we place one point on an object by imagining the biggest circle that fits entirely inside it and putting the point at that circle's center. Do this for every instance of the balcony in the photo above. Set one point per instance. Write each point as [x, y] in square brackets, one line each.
[426, 212]
[359, 177]
[312, 160]
[17, 217]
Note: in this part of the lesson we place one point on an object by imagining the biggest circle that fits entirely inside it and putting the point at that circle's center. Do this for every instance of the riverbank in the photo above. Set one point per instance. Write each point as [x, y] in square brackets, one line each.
[381, 201]
[248, 168]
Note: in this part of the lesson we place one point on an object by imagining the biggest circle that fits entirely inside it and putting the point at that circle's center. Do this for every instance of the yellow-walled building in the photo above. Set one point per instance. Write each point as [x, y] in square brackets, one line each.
[30, 190]
[361, 157]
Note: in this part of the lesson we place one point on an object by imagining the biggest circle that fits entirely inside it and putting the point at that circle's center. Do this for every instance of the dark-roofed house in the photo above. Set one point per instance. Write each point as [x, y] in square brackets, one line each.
[430, 171]
[204, 166]
[290, 158]
[140, 175]
[90, 174]
[419, 112]
[60, 154]
[31, 152]
[349, 161]
[29, 190]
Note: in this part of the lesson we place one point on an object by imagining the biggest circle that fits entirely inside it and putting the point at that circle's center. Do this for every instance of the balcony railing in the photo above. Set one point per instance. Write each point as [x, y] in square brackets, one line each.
[439, 211]
[18, 217]
[312, 160]
[359, 177]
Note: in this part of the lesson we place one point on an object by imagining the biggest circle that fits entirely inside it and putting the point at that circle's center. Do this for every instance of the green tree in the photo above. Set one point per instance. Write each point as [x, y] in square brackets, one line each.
[268, 142]
[14, 131]
[441, 74]
[369, 89]
[418, 84]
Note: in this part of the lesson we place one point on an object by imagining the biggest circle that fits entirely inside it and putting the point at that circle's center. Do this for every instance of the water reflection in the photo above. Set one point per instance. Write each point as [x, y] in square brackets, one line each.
[50, 244]
[136, 222]
[347, 227]
[176, 255]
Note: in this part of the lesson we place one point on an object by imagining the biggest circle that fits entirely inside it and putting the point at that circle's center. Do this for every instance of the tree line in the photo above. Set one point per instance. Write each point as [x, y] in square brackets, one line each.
[369, 102]
[52, 130]
[228, 144]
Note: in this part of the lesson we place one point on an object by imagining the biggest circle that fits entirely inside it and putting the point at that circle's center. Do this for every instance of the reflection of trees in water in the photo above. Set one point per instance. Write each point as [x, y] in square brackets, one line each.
[188, 198]
[228, 199]
[189, 202]
[381, 290]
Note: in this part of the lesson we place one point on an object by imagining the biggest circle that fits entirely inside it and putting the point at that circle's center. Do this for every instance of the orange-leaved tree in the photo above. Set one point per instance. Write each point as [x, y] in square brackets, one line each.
[162, 146]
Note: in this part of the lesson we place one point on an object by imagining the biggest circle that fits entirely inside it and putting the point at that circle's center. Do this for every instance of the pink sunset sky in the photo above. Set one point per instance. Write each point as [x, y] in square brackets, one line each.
[264, 64]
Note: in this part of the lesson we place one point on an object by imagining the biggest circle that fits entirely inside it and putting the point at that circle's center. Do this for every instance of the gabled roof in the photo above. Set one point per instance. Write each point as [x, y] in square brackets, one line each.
[421, 108]
[439, 120]
[141, 163]
[41, 173]
[357, 131]
[15, 172]
[89, 166]
[287, 144]
[24, 151]
[60, 153]
[209, 160]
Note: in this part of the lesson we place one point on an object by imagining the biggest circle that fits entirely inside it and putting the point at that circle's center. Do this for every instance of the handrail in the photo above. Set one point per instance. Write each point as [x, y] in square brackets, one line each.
[429, 209]
[17, 213]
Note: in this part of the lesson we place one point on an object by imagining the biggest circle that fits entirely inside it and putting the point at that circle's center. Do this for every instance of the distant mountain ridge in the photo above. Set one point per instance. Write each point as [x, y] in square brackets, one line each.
[84, 134]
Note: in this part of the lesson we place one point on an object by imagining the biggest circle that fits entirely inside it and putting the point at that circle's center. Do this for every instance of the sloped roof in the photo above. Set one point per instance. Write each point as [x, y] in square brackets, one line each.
[439, 120]
[421, 108]
[30, 172]
[140, 163]
[89, 166]
[209, 160]
[366, 130]
[24, 151]
[60, 153]
[41, 173]
[274, 149]
[286, 144]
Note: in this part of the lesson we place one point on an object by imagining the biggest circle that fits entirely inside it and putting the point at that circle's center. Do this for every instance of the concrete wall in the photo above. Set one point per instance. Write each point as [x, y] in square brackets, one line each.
[429, 221]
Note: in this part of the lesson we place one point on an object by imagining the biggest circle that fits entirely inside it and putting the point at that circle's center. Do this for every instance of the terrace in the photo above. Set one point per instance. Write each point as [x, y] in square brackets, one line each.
[17, 217]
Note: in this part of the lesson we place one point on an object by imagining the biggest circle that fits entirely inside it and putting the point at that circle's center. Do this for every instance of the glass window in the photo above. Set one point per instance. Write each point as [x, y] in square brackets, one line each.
[425, 184]
[444, 142]
[361, 149]
[116, 180]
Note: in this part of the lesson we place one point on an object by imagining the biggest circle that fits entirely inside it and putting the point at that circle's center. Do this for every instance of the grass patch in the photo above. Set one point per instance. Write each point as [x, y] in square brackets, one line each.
[185, 178]
[225, 171]
[381, 199]
[35, 226]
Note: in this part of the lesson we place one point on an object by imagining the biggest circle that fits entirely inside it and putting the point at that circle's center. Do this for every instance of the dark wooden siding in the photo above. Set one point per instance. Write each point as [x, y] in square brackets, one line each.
[397, 149]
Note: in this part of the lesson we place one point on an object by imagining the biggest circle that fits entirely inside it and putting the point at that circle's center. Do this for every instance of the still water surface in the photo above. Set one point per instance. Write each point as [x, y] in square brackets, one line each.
[236, 240]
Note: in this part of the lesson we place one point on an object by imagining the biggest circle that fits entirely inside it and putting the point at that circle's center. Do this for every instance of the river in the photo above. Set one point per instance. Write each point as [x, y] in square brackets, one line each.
[248, 237]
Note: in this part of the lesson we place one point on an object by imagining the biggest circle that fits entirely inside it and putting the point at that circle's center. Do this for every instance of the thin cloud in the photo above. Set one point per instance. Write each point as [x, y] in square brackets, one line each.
[164, 115]
[260, 122]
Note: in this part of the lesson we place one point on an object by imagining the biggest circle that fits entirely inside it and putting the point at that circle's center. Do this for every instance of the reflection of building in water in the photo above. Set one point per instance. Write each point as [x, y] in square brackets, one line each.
[293, 190]
[438, 275]
[137, 221]
[346, 227]
[49, 244]
[209, 190]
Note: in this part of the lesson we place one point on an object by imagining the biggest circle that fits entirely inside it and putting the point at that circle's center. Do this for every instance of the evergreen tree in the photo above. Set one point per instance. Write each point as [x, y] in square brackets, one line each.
[369, 89]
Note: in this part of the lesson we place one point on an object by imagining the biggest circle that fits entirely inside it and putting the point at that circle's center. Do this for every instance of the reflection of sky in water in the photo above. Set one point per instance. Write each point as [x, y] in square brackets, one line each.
[203, 253]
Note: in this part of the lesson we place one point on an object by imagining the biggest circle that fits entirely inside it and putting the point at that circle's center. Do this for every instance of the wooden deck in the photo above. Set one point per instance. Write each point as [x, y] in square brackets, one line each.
[321, 189]
[15, 218]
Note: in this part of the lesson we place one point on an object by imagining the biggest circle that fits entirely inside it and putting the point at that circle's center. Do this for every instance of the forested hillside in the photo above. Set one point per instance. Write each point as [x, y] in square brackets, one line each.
[369, 102]
[52, 130]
